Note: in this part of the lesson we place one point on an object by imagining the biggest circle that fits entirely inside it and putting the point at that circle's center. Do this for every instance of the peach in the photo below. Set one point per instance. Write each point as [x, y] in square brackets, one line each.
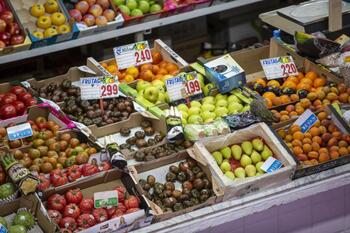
[302, 157]
[145, 67]
[297, 150]
[314, 161]
[323, 157]
[343, 97]
[334, 154]
[343, 151]
[313, 155]
[297, 143]
[331, 96]
[307, 148]
[332, 142]
[147, 75]
[315, 146]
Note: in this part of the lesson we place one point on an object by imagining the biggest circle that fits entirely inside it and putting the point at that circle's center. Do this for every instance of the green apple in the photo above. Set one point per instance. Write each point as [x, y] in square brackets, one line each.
[208, 107]
[209, 120]
[207, 115]
[220, 97]
[225, 166]
[218, 157]
[226, 152]
[234, 107]
[136, 12]
[151, 94]
[195, 103]
[258, 167]
[194, 111]
[233, 99]
[184, 115]
[250, 170]
[245, 160]
[230, 175]
[200, 79]
[161, 97]
[182, 107]
[155, 8]
[239, 172]
[142, 85]
[125, 10]
[119, 2]
[131, 4]
[221, 103]
[195, 119]
[160, 88]
[144, 6]
[221, 111]
[207, 88]
[183, 121]
[209, 100]
[158, 82]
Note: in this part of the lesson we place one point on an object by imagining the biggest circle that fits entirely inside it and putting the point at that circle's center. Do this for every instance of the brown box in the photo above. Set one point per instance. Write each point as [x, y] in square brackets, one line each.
[234, 188]
[161, 168]
[32, 203]
[108, 182]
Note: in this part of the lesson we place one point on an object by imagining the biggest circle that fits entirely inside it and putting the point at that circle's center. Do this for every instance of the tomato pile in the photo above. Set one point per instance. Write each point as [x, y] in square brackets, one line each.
[73, 211]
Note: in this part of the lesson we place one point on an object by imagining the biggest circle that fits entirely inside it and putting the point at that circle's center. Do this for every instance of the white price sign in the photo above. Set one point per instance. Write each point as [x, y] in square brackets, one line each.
[102, 87]
[183, 86]
[278, 67]
[306, 120]
[132, 55]
[19, 131]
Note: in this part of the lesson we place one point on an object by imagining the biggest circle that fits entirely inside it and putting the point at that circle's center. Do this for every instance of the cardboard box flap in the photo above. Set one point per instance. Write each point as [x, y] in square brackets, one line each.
[170, 54]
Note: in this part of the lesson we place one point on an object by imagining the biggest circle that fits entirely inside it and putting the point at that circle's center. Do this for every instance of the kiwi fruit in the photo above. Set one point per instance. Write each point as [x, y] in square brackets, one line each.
[131, 140]
[149, 131]
[125, 131]
[140, 135]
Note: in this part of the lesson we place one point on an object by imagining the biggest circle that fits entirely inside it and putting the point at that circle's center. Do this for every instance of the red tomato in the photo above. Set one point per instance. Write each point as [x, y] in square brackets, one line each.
[86, 220]
[44, 183]
[17, 90]
[30, 102]
[121, 193]
[7, 111]
[24, 96]
[132, 210]
[121, 207]
[19, 106]
[74, 196]
[74, 172]
[56, 202]
[55, 215]
[58, 178]
[71, 210]
[117, 214]
[131, 202]
[105, 166]
[89, 169]
[86, 205]
[68, 223]
[100, 214]
[6, 100]
[110, 211]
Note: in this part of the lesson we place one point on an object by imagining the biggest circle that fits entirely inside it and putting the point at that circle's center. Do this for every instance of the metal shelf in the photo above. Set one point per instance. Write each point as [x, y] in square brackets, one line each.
[240, 207]
[125, 31]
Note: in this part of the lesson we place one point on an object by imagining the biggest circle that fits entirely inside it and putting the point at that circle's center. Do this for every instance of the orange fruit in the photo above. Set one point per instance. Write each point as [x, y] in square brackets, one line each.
[276, 101]
[284, 99]
[162, 71]
[155, 69]
[294, 97]
[307, 148]
[343, 151]
[146, 67]
[314, 131]
[171, 67]
[319, 82]
[156, 57]
[311, 75]
[297, 150]
[112, 68]
[268, 103]
[323, 157]
[290, 84]
[293, 79]
[269, 95]
[128, 78]
[273, 83]
[312, 155]
[298, 135]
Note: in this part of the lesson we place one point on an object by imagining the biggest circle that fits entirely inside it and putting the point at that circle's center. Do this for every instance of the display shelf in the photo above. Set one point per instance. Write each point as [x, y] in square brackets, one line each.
[240, 207]
[126, 30]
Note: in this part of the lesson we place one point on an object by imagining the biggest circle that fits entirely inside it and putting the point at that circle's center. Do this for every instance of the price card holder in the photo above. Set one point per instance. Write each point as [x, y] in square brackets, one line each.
[185, 86]
[306, 120]
[271, 165]
[106, 199]
[279, 67]
[102, 87]
[132, 55]
[19, 131]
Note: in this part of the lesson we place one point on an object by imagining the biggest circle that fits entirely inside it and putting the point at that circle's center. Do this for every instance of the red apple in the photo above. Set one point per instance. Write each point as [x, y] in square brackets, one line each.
[76, 15]
[103, 3]
[101, 21]
[17, 39]
[91, 2]
[88, 19]
[96, 10]
[109, 14]
[2, 25]
[2, 44]
[82, 6]
[5, 37]
[7, 16]
[13, 28]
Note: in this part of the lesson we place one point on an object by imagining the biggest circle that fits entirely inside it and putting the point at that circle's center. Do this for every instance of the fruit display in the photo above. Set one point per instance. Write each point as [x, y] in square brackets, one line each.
[180, 186]
[137, 8]
[75, 211]
[90, 13]
[154, 92]
[50, 20]
[15, 102]
[159, 69]
[323, 142]
[243, 160]
[23, 221]
[10, 30]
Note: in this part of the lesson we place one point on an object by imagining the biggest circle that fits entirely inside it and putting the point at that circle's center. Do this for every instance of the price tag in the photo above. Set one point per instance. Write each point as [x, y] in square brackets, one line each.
[271, 165]
[19, 131]
[102, 87]
[132, 55]
[105, 199]
[183, 86]
[306, 120]
[278, 67]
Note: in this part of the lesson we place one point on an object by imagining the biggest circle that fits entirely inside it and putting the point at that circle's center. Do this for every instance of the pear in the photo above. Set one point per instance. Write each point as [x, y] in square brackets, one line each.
[258, 144]
[239, 172]
[247, 147]
[230, 175]
[218, 157]
[226, 152]
[245, 160]
[255, 156]
[236, 152]
[250, 170]
[258, 174]
[258, 167]
[225, 167]
[266, 153]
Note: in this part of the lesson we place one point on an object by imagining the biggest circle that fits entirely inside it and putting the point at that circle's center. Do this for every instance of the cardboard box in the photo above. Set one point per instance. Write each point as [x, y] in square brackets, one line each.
[33, 204]
[16, 48]
[108, 182]
[160, 169]
[22, 8]
[241, 187]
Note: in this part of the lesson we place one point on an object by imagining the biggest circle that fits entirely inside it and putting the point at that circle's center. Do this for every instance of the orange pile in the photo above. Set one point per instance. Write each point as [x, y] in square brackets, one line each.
[321, 143]
[159, 69]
